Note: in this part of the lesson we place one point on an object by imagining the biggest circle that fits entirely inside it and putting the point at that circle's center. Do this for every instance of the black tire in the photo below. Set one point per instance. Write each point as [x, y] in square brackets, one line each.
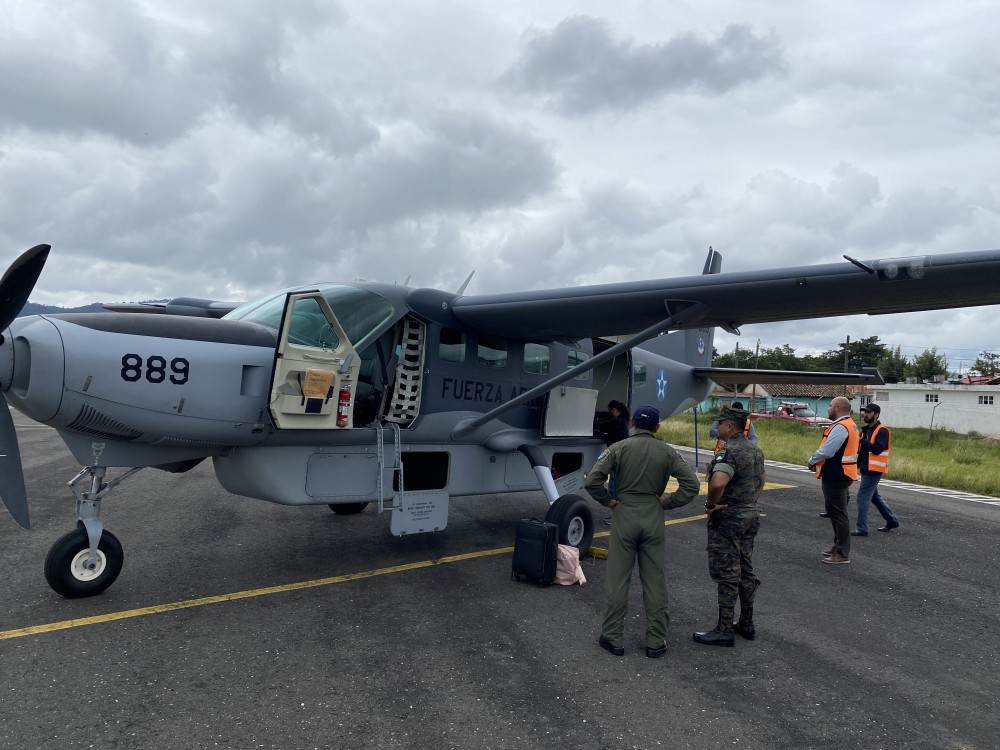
[347, 509]
[571, 513]
[64, 565]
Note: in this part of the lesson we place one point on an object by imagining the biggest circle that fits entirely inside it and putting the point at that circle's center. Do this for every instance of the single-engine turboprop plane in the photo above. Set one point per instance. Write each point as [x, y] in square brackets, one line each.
[357, 393]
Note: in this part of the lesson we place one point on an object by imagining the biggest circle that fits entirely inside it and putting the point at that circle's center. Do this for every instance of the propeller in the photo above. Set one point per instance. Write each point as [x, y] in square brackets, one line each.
[15, 286]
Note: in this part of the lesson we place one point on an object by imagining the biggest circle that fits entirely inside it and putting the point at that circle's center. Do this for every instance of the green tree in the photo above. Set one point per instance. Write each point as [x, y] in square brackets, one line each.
[861, 353]
[893, 364]
[988, 363]
[928, 365]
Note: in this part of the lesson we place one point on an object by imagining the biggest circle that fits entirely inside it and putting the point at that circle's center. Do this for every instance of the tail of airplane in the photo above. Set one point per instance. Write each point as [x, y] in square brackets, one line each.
[691, 346]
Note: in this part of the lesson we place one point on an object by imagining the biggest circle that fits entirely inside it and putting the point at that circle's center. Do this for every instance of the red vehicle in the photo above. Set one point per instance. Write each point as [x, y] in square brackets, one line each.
[795, 412]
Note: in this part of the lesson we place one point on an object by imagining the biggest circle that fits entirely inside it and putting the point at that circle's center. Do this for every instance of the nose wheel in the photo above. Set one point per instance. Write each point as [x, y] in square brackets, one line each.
[68, 568]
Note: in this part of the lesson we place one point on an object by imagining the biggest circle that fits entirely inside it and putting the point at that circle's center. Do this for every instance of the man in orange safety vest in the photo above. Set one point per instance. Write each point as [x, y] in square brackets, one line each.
[836, 464]
[873, 462]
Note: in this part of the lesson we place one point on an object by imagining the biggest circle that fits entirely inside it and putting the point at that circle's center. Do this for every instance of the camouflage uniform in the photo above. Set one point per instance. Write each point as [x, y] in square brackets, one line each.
[731, 530]
[642, 466]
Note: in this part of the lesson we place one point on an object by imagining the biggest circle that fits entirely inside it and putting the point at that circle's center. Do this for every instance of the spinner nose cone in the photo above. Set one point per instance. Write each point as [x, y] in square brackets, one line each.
[6, 359]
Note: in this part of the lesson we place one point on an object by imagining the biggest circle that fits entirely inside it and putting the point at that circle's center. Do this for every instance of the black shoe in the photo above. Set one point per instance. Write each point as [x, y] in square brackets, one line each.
[610, 647]
[824, 514]
[715, 637]
[745, 630]
[859, 533]
[889, 526]
[656, 653]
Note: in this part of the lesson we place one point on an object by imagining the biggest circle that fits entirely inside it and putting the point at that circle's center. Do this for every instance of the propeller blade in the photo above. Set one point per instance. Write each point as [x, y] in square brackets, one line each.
[18, 282]
[12, 492]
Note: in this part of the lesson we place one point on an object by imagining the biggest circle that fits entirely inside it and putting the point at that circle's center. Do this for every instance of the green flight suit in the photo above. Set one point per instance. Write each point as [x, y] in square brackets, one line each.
[639, 467]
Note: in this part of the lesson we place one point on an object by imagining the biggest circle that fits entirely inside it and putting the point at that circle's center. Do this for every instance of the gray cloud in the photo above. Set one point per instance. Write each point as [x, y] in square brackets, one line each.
[130, 72]
[579, 68]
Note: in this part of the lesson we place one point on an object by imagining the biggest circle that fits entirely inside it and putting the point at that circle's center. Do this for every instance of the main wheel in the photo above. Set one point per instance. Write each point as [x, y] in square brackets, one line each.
[66, 564]
[347, 509]
[572, 515]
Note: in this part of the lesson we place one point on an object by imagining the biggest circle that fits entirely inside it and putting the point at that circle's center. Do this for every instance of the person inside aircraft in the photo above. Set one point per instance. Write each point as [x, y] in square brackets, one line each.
[612, 425]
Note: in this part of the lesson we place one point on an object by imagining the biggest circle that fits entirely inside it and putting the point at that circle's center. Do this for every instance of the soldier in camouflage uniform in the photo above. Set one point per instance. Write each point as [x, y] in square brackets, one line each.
[735, 482]
[642, 466]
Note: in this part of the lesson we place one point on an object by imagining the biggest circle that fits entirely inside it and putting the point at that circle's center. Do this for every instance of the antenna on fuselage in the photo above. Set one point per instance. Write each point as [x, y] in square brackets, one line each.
[465, 283]
[713, 263]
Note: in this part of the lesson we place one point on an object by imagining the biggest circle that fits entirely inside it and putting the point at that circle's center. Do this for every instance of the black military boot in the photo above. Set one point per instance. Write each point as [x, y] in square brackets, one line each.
[744, 628]
[722, 635]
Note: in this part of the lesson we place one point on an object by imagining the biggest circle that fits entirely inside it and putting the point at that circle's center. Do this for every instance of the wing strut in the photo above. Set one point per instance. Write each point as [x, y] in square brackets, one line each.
[672, 321]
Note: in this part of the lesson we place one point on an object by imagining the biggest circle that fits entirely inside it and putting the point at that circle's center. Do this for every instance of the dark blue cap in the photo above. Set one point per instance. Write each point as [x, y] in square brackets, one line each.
[647, 418]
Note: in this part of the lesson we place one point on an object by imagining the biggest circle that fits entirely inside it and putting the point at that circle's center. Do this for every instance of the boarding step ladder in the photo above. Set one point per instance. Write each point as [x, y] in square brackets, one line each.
[394, 469]
[405, 403]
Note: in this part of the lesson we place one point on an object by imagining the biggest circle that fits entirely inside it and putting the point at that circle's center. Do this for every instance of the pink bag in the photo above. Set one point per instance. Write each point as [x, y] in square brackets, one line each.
[568, 570]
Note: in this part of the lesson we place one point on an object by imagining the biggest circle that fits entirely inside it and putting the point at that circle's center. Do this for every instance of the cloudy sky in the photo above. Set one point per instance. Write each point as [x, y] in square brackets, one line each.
[230, 147]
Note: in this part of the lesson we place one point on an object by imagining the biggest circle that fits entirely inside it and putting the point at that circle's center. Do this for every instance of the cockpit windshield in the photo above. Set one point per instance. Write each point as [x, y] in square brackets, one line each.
[360, 312]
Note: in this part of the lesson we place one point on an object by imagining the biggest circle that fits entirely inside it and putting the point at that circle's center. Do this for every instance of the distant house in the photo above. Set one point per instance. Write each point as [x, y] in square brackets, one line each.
[766, 396]
[958, 407]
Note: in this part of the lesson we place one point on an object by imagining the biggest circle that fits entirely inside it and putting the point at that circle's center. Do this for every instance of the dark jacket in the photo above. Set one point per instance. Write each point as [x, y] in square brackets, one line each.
[612, 430]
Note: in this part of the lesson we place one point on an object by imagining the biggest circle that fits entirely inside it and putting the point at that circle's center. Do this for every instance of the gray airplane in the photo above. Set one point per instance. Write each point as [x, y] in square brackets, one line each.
[362, 393]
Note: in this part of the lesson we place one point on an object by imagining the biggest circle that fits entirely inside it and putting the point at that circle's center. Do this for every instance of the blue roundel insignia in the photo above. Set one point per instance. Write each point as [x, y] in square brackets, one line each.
[661, 385]
[701, 345]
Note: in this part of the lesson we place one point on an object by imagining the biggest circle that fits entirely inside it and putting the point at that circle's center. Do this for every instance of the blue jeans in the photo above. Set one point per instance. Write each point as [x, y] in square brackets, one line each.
[868, 495]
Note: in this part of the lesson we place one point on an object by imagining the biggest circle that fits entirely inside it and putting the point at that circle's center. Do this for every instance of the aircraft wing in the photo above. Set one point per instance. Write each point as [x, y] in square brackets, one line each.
[730, 300]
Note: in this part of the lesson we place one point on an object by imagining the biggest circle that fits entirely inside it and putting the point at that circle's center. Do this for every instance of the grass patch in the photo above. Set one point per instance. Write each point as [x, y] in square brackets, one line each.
[970, 463]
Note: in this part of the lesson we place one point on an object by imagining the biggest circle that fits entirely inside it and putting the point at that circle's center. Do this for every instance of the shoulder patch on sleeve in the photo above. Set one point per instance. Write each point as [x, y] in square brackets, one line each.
[604, 454]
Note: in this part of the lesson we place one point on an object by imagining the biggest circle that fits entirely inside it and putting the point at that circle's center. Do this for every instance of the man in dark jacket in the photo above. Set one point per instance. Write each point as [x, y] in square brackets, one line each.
[873, 462]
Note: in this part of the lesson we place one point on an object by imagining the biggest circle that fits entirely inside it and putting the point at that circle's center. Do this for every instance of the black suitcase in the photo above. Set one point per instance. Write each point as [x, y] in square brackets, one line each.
[535, 551]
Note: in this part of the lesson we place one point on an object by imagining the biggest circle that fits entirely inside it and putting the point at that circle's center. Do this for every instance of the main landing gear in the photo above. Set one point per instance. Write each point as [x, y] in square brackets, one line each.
[573, 516]
[87, 560]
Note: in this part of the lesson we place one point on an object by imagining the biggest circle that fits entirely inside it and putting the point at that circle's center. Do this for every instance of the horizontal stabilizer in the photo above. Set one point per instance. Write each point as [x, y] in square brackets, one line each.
[732, 375]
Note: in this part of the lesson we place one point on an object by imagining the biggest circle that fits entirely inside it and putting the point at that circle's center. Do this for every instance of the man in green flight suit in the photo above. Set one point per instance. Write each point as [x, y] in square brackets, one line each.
[639, 468]
[735, 481]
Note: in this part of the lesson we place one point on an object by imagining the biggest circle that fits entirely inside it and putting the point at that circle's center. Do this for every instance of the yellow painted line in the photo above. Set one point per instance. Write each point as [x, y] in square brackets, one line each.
[271, 590]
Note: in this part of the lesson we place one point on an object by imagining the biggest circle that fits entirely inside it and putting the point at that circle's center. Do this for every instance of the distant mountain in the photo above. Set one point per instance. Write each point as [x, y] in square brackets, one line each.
[33, 308]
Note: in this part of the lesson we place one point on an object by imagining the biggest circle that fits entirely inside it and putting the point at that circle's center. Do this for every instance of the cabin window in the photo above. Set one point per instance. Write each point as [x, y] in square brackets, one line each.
[930, 398]
[638, 375]
[986, 400]
[578, 357]
[451, 345]
[492, 351]
[536, 359]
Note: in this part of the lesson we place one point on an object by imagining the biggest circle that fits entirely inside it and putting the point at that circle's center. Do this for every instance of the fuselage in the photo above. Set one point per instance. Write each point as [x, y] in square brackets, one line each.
[132, 389]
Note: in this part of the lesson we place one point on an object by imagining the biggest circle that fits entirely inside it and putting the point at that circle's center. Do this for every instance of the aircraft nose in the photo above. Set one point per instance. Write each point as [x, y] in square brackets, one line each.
[31, 367]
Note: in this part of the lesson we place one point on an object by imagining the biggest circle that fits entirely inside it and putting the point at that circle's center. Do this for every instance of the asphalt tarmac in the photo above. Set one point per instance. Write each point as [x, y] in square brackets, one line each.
[239, 624]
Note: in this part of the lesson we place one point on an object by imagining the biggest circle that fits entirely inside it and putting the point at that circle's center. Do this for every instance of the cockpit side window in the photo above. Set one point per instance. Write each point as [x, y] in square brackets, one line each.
[359, 311]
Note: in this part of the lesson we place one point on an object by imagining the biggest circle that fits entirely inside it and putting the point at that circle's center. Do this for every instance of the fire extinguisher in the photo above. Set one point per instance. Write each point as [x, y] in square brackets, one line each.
[343, 407]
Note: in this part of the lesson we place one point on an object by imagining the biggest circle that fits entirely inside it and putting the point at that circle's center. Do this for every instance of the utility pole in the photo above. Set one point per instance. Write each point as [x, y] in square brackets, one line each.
[736, 364]
[753, 386]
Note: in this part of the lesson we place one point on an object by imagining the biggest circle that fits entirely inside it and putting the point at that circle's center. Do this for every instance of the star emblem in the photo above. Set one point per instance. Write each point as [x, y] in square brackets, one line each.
[661, 385]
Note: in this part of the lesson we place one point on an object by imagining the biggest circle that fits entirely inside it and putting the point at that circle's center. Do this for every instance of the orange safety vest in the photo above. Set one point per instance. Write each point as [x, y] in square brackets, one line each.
[720, 443]
[880, 463]
[849, 461]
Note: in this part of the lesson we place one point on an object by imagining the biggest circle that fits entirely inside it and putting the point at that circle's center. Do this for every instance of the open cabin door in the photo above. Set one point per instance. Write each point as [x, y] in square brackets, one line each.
[569, 412]
[315, 363]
